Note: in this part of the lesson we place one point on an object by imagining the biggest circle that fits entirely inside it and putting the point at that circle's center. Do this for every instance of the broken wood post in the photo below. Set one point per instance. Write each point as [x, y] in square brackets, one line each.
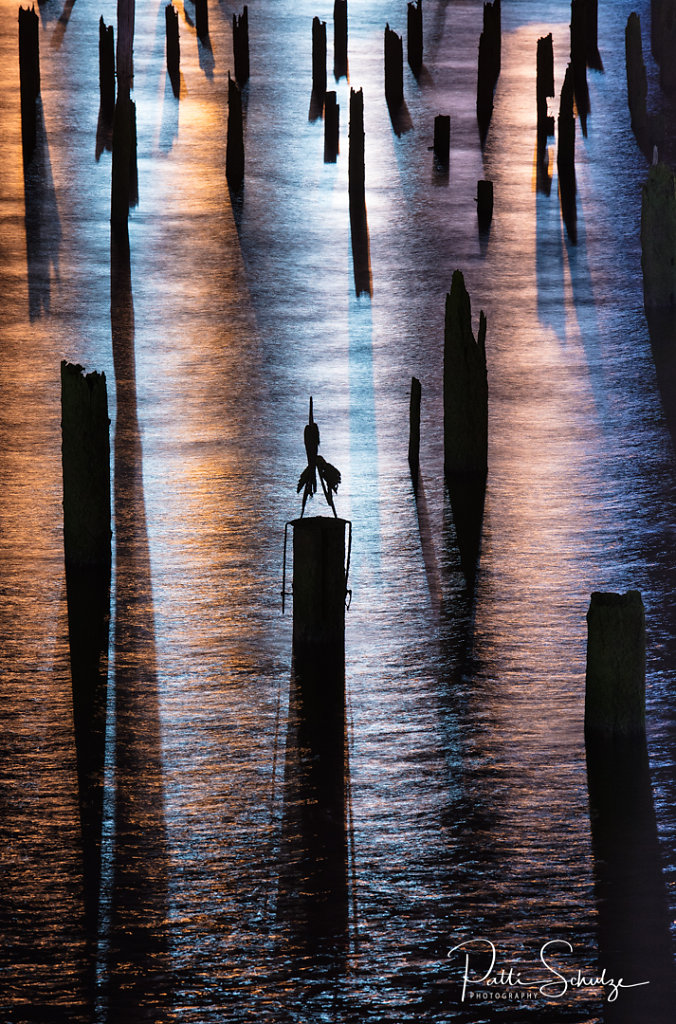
[106, 67]
[544, 88]
[658, 237]
[615, 680]
[124, 187]
[125, 46]
[394, 68]
[234, 152]
[442, 138]
[637, 84]
[318, 57]
[29, 76]
[173, 48]
[340, 39]
[565, 156]
[490, 43]
[319, 589]
[202, 19]
[578, 58]
[414, 430]
[240, 46]
[415, 37]
[331, 127]
[355, 163]
[484, 201]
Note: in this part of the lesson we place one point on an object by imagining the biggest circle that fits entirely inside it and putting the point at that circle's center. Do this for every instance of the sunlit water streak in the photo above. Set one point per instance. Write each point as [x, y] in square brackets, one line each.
[466, 757]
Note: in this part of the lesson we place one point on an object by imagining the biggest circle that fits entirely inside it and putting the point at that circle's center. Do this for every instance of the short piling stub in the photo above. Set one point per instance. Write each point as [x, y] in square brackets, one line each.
[484, 203]
[331, 127]
[442, 138]
[615, 678]
[234, 152]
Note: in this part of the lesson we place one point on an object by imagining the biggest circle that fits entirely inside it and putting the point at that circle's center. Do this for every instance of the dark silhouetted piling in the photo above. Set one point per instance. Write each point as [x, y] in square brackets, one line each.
[319, 589]
[331, 128]
[490, 44]
[544, 87]
[202, 19]
[318, 57]
[565, 156]
[234, 153]
[658, 237]
[340, 39]
[414, 430]
[356, 170]
[106, 67]
[414, 36]
[578, 58]
[484, 203]
[394, 68]
[615, 682]
[126, 10]
[663, 41]
[173, 47]
[29, 76]
[442, 138]
[592, 35]
[637, 83]
[124, 188]
[240, 46]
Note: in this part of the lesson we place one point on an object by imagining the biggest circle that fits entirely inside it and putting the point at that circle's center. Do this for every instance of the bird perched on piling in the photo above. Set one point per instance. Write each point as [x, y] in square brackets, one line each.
[329, 476]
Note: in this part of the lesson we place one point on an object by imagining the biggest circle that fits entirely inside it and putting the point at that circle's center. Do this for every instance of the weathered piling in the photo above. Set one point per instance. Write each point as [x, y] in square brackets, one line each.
[106, 67]
[340, 39]
[202, 19]
[414, 36]
[490, 43]
[465, 386]
[319, 588]
[565, 156]
[414, 430]
[124, 187]
[615, 680]
[442, 138]
[240, 46]
[484, 203]
[126, 10]
[544, 88]
[663, 41]
[637, 83]
[592, 35]
[173, 47]
[234, 153]
[318, 57]
[331, 127]
[578, 58]
[29, 76]
[394, 68]
[355, 163]
[658, 237]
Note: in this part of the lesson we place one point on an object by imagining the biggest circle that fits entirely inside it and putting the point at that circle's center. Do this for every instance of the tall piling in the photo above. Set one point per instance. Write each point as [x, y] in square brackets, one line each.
[331, 127]
[414, 430]
[565, 156]
[488, 71]
[637, 83]
[578, 58]
[126, 12]
[319, 590]
[442, 138]
[592, 35]
[340, 39]
[234, 153]
[124, 186]
[106, 67]
[658, 237]
[615, 679]
[394, 68]
[318, 58]
[544, 88]
[355, 163]
[202, 19]
[29, 76]
[414, 37]
[173, 48]
[240, 46]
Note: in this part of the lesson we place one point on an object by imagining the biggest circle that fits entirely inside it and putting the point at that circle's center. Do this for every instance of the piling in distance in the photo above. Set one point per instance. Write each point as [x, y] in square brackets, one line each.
[106, 67]
[637, 84]
[658, 237]
[414, 430]
[331, 127]
[124, 187]
[663, 41]
[484, 203]
[415, 36]
[544, 87]
[592, 35]
[394, 68]
[565, 156]
[340, 39]
[318, 57]
[442, 138]
[240, 46]
[578, 58]
[202, 19]
[356, 170]
[490, 45]
[234, 153]
[615, 680]
[29, 76]
[173, 47]
[465, 386]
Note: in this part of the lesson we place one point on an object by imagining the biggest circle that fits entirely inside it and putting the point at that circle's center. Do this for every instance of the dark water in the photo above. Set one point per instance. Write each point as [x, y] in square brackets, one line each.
[244, 873]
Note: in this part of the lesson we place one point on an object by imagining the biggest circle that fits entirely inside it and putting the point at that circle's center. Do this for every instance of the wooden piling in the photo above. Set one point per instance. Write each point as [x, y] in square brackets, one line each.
[318, 57]
[106, 67]
[578, 58]
[124, 187]
[234, 153]
[340, 39]
[490, 44]
[319, 587]
[394, 68]
[592, 35]
[415, 36]
[658, 237]
[615, 680]
[442, 138]
[565, 157]
[637, 84]
[126, 10]
[29, 76]
[331, 128]
[356, 169]
[414, 430]
[544, 87]
[202, 19]
[465, 386]
[240, 46]
[173, 47]
[663, 41]
[484, 200]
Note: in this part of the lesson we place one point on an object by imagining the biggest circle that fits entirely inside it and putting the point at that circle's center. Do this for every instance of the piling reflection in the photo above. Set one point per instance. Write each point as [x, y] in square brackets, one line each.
[138, 985]
[43, 227]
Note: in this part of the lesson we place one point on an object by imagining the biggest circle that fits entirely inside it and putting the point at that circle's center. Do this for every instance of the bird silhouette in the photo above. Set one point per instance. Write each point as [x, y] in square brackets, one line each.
[329, 476]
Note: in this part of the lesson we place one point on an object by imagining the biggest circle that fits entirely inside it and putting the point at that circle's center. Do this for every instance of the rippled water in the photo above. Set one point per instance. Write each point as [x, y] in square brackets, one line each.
[240, 879]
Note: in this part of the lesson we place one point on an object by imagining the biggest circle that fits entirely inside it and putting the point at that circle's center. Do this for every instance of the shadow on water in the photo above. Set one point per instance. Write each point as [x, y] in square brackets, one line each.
[361, 250]
[400, 117]
[104, 133]
[169, 125]
[137, 947]
[43, 227]
[549, 264]
[62, 25]
[316, 110]
[205, 54]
